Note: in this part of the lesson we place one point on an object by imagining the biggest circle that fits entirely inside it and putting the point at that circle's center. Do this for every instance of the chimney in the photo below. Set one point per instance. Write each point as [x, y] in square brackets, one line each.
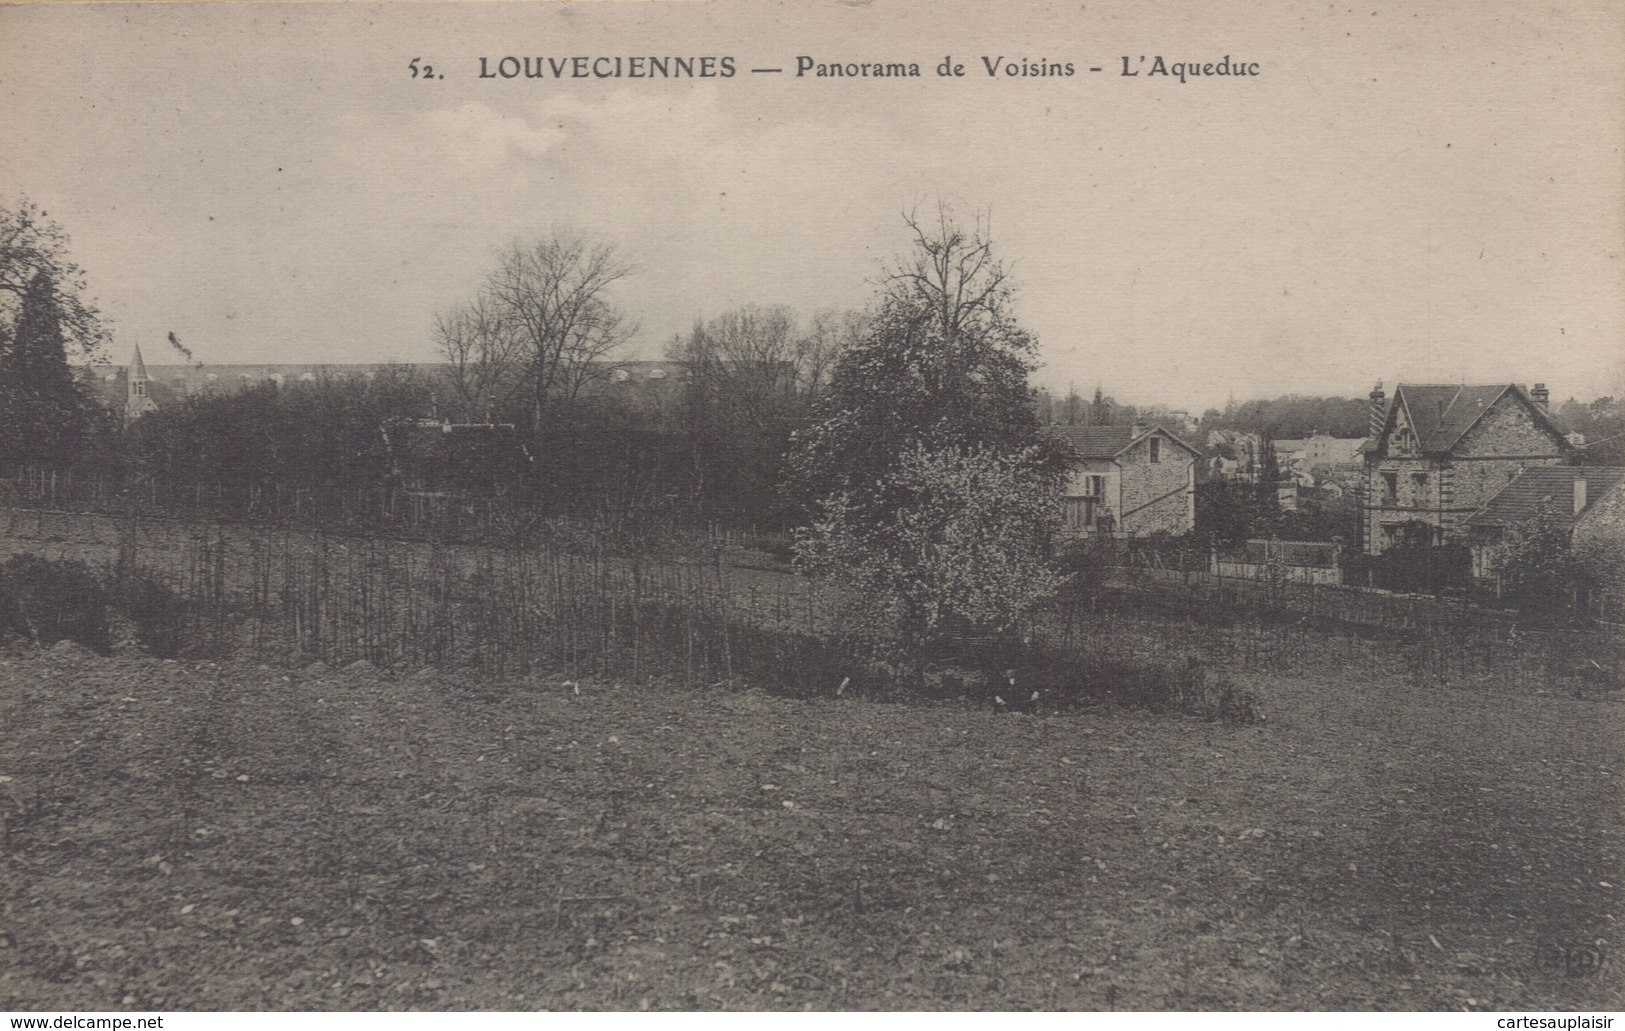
[1580, 492]
[1379, 410]
[1540, 396]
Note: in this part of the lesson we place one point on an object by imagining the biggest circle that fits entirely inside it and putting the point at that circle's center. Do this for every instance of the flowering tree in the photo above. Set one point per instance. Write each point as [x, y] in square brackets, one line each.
[932, 493]
[966, 550]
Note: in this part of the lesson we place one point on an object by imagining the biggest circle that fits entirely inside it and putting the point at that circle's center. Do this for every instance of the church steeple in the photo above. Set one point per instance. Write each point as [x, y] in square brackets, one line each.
[137, 402]
[138, 374]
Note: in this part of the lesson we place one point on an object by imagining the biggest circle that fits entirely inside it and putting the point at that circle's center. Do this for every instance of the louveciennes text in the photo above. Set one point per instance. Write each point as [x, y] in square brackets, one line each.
[727, 67]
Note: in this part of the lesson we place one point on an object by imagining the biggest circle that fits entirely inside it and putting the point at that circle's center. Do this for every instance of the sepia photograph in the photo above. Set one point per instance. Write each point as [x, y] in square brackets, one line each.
[821, 505]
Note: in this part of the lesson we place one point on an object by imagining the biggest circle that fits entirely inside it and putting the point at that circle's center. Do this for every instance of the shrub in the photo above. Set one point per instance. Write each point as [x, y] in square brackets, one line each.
[50, 601]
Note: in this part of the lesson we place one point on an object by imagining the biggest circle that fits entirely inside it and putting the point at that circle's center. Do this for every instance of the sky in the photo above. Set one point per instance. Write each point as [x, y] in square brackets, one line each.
[1421, 193]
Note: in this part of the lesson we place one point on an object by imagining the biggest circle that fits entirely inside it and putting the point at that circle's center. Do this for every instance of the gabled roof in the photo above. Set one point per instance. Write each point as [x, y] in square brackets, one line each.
[1107, 442]
[1549, 486]
[1095, 441]
[1441, 414]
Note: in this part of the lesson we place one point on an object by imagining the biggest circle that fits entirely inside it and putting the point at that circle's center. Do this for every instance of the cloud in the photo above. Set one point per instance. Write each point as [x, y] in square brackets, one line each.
[477, 136]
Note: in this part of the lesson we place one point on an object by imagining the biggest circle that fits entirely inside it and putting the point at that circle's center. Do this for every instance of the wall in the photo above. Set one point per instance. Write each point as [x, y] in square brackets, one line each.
[1225, 567]
[1075, 488]
[1158, 497]
[1599, 539]
[1490, 454]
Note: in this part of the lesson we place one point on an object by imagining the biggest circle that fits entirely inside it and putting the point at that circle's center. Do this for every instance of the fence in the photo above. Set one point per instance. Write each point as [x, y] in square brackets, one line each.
[588, 599]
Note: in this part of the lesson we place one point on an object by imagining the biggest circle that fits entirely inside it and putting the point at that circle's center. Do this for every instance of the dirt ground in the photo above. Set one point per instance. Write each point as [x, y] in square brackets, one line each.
[183, 835]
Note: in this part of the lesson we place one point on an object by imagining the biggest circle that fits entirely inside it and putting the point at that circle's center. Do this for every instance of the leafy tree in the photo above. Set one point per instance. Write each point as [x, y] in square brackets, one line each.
[943, 363]
[1602, 422]
[32, 245]
[323, 436]
[933, 493]
[1537, 569]
[1226, 513]
[1292, 415]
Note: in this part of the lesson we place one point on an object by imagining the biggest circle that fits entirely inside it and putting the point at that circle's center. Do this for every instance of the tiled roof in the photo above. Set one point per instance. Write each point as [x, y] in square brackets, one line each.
[1095, 441]
[1546, 485]
[1442, 413]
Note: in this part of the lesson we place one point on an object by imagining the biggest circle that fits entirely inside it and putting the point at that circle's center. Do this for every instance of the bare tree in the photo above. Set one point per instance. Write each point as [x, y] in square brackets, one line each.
[957, 298]
[832, 332]
[485, 366]
[540, 326]
[743, 361]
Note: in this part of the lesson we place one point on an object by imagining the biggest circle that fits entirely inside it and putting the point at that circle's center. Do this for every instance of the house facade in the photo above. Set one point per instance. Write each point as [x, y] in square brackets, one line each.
[1438, 454]
[1128, 480]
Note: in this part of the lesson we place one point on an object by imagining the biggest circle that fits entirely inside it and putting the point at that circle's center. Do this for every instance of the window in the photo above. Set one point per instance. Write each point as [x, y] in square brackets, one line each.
[1156, 449]
[1419, 481]
[1390, 485]
[1094, 486]
[1077, 512]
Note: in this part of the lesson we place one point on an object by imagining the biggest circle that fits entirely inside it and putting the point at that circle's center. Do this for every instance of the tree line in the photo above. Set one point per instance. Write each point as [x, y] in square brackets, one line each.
[901, 440]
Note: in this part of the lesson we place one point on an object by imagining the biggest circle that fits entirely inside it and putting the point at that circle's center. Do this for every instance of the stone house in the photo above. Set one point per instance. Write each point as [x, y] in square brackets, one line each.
[1583, 497]
[1128, 480]
[1437, 454]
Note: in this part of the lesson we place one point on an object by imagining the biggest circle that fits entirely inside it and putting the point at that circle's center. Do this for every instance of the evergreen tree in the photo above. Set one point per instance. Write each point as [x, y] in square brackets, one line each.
[1267, 504]
[46, 418]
